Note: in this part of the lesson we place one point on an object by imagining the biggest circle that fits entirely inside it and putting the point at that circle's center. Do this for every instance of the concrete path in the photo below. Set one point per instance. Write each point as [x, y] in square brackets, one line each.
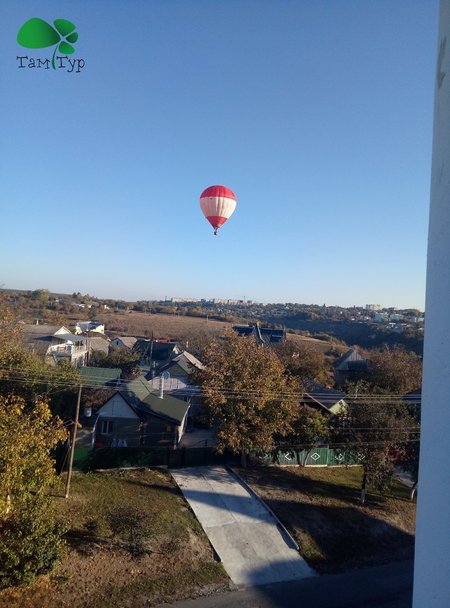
[243, 532]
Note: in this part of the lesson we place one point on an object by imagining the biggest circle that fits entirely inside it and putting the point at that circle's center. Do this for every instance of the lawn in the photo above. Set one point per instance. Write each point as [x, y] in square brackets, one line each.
[132, 541]
[321, 509]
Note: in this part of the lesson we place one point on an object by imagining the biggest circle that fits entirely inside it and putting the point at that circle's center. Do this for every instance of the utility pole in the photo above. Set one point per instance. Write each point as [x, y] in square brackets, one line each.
[74, 439]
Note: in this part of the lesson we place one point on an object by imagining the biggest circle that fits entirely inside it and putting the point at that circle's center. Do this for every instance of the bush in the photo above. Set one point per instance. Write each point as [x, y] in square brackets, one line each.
[31, 541]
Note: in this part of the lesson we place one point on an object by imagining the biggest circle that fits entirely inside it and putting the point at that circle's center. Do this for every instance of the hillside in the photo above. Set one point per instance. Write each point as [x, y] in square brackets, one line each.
[190, 331]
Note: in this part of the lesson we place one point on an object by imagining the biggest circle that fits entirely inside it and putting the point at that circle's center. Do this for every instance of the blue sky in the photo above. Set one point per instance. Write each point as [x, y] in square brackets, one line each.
[317, 114]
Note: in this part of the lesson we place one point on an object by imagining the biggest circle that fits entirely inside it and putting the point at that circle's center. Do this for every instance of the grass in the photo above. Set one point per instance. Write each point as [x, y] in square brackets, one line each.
[321, 509]
[102, 568]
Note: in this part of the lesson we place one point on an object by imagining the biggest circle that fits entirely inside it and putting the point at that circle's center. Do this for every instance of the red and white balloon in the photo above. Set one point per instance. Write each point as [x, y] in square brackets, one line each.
[218, 204]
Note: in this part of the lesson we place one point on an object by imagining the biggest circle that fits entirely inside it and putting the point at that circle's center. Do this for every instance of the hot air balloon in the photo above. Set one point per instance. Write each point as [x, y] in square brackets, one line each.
[217, 204]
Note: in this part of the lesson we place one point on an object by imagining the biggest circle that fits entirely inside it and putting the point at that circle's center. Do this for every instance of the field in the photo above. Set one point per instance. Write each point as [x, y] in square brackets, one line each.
[191, 330]
[180, 328]
[132, 541]
[320, 508]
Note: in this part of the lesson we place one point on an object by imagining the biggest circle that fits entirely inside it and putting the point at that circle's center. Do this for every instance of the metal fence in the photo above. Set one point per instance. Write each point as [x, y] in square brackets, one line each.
[317, 456]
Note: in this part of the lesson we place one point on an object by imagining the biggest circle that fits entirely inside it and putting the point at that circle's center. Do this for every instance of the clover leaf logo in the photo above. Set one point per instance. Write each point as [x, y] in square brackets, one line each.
[38, 34]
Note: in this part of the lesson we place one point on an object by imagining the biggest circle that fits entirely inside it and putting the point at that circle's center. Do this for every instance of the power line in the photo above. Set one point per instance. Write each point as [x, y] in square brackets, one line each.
[228, 394]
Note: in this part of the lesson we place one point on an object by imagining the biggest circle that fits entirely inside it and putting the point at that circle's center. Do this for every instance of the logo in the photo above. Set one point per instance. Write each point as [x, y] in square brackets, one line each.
[38, 34]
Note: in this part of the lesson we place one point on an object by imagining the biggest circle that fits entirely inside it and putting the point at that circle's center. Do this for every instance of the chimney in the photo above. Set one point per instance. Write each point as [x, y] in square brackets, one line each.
[161, 386]
[37, 322]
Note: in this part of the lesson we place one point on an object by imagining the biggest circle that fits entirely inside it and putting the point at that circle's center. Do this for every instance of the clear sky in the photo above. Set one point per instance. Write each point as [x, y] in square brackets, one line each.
[317, 114]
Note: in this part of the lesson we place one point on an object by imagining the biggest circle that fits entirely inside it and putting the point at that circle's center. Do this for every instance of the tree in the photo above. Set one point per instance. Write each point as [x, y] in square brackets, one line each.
[30, 538]
[247, 394]
[302, 360]
[377, 431]
[309, 427]
[124, 359]
[40, 295]
[27, 374]
[395, 369]
[409, 460]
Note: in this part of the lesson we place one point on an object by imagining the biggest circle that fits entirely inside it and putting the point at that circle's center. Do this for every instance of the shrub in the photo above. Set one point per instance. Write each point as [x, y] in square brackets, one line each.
[31, 541]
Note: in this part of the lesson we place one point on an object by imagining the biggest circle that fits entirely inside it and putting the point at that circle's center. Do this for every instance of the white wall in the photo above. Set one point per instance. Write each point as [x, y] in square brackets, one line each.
[432, 557]
[116, 407]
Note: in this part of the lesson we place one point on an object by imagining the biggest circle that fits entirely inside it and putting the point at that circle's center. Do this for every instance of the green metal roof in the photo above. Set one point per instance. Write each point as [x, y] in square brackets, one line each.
[99, 376]
[139, 395]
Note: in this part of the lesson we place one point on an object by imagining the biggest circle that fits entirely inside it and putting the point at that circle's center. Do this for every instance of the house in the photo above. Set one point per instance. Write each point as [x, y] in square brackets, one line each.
[82, 327]
[262, 335]
[178, 372]
[100, 376]
[326, 400]
[124, 342]
[177, 380]
[350, 367]
[55, 343]
[98, 342]
[137, 416]
[157, 352]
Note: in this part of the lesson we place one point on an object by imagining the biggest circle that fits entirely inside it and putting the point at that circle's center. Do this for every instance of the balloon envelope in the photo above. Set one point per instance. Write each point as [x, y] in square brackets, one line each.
[218, 204]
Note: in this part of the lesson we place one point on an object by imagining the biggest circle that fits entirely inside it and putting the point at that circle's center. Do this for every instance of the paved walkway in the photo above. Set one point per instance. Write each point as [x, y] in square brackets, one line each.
[243, 532]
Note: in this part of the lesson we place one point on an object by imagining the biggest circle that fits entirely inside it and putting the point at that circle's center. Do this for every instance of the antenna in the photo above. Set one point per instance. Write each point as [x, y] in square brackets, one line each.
[164, 376]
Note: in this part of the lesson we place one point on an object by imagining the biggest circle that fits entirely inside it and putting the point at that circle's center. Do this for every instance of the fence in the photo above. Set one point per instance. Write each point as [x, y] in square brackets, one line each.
[318, 456]
[110, 458]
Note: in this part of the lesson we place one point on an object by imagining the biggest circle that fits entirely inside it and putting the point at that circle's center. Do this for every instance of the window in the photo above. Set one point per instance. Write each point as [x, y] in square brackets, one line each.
[106, 427]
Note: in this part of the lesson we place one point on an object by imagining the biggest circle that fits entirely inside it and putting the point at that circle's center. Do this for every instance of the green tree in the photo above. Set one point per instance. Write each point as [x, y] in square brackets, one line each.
[124, 359]
[247, 394]
[41, 296]
[309, 427]
[377, 430]
[30, 538]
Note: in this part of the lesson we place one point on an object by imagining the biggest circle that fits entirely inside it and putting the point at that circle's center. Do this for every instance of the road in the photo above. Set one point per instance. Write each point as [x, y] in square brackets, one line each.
[388, 586]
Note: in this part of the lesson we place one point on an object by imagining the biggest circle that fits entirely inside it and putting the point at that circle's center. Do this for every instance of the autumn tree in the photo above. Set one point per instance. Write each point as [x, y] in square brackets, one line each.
[394, 369]
[25, 373]
[30, 538]
[247, 394]
[302, 360]
[409, 459]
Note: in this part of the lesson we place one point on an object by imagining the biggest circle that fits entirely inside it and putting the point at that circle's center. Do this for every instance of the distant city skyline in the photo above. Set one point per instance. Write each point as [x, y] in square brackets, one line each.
[317, 115]
[223, 300]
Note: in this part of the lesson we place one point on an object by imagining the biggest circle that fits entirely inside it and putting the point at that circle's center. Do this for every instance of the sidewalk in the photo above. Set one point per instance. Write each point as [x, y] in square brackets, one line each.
[245, 535]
